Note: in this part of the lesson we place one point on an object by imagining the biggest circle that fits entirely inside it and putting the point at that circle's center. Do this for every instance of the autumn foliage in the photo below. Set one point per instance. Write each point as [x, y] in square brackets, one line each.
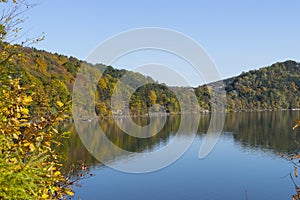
[29, 167]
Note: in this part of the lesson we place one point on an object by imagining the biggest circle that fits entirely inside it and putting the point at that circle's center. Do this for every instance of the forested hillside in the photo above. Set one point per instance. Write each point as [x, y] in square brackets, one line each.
[273, 87]
[51, 77]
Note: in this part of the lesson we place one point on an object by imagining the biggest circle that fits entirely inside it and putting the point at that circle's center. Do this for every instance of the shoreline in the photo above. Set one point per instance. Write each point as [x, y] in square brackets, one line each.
[89, 119]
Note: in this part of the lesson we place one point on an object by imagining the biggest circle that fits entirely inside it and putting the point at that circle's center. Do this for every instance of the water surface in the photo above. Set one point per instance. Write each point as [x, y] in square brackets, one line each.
[245, 163]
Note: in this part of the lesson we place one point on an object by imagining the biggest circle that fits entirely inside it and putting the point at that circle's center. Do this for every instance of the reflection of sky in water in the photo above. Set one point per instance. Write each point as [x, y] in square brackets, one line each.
[225, 174]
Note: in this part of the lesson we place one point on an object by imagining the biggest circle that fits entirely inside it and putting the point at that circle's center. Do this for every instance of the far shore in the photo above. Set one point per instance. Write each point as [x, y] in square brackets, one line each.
[158, 114]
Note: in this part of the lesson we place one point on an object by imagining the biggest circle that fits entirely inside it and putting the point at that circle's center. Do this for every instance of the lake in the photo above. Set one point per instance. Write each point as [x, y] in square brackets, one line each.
[244, 164]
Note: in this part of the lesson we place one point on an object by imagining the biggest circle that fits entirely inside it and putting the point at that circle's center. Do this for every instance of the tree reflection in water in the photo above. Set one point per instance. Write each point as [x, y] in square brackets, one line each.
[258, 131]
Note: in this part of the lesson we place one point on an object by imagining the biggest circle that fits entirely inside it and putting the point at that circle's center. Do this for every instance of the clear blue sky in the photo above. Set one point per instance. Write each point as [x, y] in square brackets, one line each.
[238, 35]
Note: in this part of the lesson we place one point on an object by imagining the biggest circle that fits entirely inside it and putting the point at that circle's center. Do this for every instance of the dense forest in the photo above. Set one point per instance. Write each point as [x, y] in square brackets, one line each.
[51, 77]
[273, 87]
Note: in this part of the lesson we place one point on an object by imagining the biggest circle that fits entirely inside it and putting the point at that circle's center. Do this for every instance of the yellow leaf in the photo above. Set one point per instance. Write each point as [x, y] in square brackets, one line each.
[27, 100]
[297, 124]
[26, 144]
[295, 172]
[50, 168]
[13, 160]
[55, 130]
[69, 192]
[57, 173]
[60, 104]
[24, 111]
[31, 147]
[45, 196]
[16, 136]
[25, 124]
[39, 138]
[18, 115]
[59, 119]
[18, 109]
[47, 144]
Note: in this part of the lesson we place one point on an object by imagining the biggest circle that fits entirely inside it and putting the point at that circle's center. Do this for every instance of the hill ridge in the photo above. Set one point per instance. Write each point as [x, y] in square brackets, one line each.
[272, 87]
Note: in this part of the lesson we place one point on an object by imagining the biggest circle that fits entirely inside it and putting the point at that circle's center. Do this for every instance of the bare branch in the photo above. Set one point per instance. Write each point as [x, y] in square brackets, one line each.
[11, 21]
